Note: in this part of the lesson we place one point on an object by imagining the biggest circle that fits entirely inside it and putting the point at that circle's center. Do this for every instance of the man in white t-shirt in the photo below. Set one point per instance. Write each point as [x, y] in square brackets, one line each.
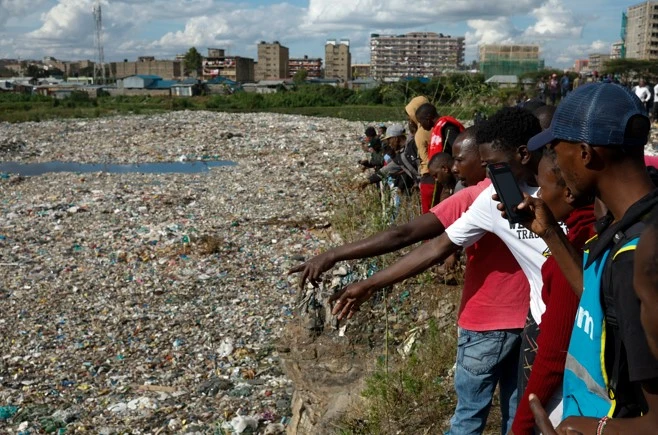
[642, 91]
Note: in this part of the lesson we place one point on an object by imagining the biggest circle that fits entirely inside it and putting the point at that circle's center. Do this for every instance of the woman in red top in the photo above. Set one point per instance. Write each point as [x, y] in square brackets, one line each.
[561, 302]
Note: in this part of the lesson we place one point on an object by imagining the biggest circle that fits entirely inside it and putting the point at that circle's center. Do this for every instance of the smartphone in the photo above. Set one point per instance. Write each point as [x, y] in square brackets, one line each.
[507, 189]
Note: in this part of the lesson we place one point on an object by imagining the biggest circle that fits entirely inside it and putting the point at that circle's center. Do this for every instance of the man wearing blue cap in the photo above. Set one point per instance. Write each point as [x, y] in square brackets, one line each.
[598, 134]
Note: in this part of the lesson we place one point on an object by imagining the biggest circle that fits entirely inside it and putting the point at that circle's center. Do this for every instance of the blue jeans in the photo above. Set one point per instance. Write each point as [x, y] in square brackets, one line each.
[484, 360]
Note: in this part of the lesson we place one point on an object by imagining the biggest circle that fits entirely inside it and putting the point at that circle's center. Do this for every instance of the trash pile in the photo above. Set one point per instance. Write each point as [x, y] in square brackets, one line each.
[153, 302]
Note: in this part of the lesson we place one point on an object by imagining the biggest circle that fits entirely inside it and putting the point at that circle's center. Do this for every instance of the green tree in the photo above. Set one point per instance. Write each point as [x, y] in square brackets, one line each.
[192, 61]
[300, 76]
[35, 71]
[630, 69]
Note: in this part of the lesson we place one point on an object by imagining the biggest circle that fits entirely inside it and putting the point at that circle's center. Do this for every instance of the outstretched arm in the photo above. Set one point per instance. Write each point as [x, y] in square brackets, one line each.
[417, 261]
[424, 227]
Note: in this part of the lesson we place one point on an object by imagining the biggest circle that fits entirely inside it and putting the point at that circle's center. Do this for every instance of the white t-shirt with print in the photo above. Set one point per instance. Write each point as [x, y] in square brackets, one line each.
[528, 248]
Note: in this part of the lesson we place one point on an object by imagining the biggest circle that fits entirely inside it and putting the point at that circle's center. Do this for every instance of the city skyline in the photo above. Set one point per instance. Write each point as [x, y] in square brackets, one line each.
[65, 29]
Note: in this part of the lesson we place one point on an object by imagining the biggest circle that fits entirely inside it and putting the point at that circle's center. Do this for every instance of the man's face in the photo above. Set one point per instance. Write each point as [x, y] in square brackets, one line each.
[441, 174]
[489, 155]
[645, 281]
[550, 191]
[467, 167]
[570, 163]
[426, 122]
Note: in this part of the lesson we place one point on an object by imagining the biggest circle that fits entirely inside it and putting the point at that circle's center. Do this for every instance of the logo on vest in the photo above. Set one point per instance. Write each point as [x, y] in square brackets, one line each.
[585, 322]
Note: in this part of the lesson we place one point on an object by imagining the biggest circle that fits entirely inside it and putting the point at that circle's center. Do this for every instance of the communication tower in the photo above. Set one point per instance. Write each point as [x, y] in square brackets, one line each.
[98, 39]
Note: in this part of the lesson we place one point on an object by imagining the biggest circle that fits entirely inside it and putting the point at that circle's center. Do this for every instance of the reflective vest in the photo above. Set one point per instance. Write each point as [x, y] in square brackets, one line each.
[436, 140]
[586, 387]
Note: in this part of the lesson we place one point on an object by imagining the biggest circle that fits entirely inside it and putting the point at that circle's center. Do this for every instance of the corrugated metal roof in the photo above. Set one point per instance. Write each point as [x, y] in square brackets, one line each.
[503, 79]
[162, 84]
[147, 77]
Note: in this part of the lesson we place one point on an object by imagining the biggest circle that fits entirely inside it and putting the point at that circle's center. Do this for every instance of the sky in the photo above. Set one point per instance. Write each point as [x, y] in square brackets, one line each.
[64, 29]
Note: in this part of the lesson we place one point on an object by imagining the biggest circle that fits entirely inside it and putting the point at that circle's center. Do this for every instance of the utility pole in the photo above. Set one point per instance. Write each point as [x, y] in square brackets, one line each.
[100, 56]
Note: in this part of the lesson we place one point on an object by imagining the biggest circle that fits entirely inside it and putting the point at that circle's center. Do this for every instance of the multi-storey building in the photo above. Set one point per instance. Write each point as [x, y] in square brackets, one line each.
[272, 61]
[597, 61]
[337, 59]
[236, 68]
[360, 70]
[580, 65]
[418, 54]
[640, 31]
[509, 59]
[617, 50]
[312, 65]
[147, 65]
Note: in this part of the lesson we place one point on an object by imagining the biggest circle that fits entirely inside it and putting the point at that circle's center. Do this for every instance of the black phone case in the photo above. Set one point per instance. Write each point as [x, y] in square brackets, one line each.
[510, 198]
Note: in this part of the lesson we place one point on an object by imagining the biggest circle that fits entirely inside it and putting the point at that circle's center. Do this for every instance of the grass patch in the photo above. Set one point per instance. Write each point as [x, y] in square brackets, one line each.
[413, 394]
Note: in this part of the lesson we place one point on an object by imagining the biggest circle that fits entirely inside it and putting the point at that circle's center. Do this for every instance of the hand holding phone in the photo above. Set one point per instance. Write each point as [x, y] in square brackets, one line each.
[507, 189]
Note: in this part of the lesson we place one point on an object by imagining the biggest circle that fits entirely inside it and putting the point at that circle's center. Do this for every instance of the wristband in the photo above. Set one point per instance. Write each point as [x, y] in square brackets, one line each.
[602, 423]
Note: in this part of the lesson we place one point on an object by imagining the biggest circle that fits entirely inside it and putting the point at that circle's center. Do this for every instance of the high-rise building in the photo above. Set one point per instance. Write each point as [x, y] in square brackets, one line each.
[509, 59]
[236, 68]
[597, 61]
[313, 66]
[337, 59]
[272, 61]
[418, 54]
[617, 50]
[640, 31]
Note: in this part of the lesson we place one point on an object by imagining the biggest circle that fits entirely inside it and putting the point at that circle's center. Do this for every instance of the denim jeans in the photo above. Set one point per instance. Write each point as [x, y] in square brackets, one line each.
[484, 360]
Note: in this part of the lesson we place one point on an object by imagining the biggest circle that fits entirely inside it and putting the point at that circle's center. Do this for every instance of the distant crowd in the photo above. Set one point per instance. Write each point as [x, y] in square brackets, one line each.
[551, 89]
[559, 311]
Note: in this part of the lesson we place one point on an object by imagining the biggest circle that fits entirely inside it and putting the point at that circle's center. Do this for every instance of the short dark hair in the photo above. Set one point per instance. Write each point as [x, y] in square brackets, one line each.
[508, 129]
[545, 115]
[371, 132]
[439, 159]
[426, 110]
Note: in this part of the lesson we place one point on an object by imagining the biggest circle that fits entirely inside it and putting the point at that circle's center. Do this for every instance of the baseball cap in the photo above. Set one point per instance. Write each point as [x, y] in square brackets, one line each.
[393, 131]
[596, 114]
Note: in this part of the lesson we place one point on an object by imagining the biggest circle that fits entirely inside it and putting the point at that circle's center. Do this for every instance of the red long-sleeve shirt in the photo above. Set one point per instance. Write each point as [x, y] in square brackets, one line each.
[556, 325]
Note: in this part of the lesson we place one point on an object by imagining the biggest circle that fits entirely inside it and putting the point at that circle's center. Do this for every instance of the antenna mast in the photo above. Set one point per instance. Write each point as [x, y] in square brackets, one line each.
[100, 56]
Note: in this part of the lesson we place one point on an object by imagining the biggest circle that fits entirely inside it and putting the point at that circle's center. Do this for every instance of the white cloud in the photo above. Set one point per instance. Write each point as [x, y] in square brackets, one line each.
[17, 8]
[241, 26]
[554, 21]
[360, 14]
[499, 30]
[566, 56]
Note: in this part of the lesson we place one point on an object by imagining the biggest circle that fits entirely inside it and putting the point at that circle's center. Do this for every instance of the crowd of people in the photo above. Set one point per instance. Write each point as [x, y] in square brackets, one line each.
[559, 311]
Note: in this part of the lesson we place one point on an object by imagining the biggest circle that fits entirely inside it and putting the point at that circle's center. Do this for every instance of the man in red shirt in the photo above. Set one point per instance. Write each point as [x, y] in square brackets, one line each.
[444, 130]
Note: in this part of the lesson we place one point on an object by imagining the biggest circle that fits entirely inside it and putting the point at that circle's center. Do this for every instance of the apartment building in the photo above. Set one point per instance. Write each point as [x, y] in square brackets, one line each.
[617, 50]
[581, 65]
[360, 70]
[148, 66]
[337, 59]
[509, 59]
[640, 31]
[312, 65]
[597, 61]
[272, 61]
[236, 68]
[417, 54]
